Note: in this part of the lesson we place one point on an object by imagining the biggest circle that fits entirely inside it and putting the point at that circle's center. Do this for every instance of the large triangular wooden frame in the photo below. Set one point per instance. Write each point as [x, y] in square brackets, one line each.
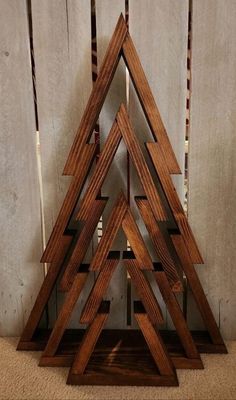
[65, 252]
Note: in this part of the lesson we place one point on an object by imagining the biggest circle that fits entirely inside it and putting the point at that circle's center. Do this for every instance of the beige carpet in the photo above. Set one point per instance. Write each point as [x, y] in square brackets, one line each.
[21, 378]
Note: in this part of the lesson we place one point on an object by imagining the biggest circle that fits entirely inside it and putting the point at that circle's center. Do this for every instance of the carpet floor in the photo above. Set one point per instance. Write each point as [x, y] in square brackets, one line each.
[21, 379]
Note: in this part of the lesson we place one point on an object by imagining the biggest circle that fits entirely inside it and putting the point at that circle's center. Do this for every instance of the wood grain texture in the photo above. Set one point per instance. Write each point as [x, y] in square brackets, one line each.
[136, 241]
[99, 174]
[159, 243]
[89, 340]
[45, 292]
[140, 163]
[144, 291]
[154, 341]
[97, 96]
[212, 163]
[176, 315]
[62, 52]
[21, 242]
[68, 205]
[173, 200]
[197, 290]
[112, 227]
[64, 316]
[98, 291]
[117, 171]
[82, 244]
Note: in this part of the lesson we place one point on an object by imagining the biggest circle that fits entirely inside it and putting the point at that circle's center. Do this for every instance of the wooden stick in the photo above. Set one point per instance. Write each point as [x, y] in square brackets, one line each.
[89, 340]
[144, 291]
[154, 341]
[173, 200]
[159, 243]
[148, 103]
[140, 163]
[82, 244]
[97, 96]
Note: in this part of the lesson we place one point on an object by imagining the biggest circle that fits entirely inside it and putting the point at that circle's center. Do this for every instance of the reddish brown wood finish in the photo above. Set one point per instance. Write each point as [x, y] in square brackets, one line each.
[173, 200]
[148, 103]
[44, 293]
[69, 203]
[144, 291]
[159, 244]
[89, 341]
[82, 244]
[98, 291]
[154, 341]
[140, 163]
[100, 172]
[97, 96]
[197, 289]
[176, 315]
[64, 317]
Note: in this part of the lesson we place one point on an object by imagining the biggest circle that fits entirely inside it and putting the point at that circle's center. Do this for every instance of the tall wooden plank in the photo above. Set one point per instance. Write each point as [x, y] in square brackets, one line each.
[62, 48]
[212, 163]
[107, 14]
[161, 43]
[20, 247]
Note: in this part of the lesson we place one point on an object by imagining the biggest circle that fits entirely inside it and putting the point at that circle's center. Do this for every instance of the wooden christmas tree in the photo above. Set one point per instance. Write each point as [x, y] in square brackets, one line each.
[135, 357]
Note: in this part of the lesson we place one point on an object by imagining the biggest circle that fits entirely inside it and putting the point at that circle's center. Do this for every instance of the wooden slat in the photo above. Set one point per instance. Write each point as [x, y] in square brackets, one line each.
[159, 243]
[148, 103]
[64, 316]
[136, 241]
[97, 96]
[117, 171]
[113, 225]
[69, 204]
[212, 156]
[45, 292]
[197, 290]
[89, 340]
[98, 291]
[62, 42]
[174, 201]
[176, 315]
[154, 341]
[144, 291]
[21, 242]
[82, 244]
[100, 172]
[140, 163]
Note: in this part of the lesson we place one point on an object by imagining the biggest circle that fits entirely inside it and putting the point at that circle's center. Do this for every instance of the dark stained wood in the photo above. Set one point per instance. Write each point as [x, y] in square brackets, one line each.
[159, 243]
[82, 244]
[64, 316]
[154, 341]
[197, 290]
[174, 201]
[148, 103]
[136, 241]
[69, 203]
[89, 340]
[98, 291]
[144, 291]
[112, 227]
[97, 96]
[100, 172]
[176, 315]
[44, 293]
[140, 163]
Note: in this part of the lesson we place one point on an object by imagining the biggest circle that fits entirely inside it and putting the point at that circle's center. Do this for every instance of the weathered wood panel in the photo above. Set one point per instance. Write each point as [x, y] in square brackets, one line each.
[62, 46]
[20, 247]
[212, 163]
[159, 31]
[107, 14]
